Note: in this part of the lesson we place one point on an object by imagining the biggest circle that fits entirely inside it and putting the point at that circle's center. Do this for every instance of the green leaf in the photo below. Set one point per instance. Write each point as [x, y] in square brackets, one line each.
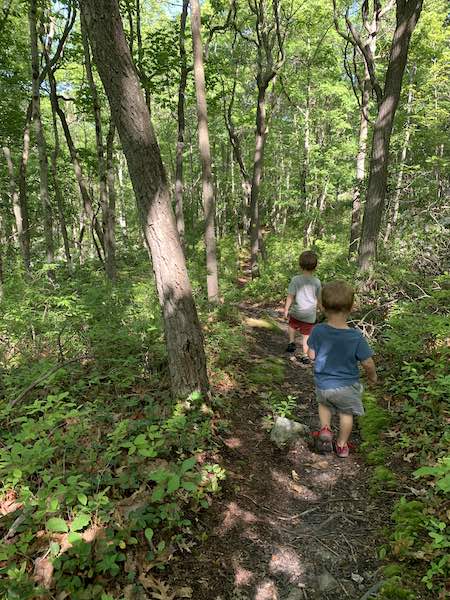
[173, 483]
[80, 522]
[161, 546]
[187, 464]
[74, 537]
[189, 486]
[158, 493]
[54, 505]
[57, 525]
[148, 534]
[147, 452]
[159, 475]
[82, 499]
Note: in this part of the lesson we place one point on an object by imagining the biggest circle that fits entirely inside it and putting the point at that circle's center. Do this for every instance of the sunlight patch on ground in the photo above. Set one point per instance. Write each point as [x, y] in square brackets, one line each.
[266, 591]
[234, 515]
[286, 561]
[242, 576]
[296, 488]
[261, 323]
[233, 442]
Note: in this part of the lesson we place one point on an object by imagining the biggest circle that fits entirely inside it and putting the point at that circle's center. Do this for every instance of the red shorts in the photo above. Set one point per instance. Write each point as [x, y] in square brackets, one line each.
[304, 328]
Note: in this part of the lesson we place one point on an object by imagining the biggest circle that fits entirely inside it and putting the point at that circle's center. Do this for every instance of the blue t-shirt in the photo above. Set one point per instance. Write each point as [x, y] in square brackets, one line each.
[338, 352]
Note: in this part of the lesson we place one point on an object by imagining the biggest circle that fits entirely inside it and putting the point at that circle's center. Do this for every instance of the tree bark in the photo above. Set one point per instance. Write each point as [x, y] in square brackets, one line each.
[40, 136]
[355, 223]
[57, 188]
[110, 223]
[110, 266]
[212, 278]
[392, 221]
[258, 161]
[179, 185]
[112, 56]
[408, 13]
[20, 210]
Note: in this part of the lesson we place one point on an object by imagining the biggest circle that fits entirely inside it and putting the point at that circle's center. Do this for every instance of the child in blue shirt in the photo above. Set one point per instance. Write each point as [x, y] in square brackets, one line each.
[337, 349]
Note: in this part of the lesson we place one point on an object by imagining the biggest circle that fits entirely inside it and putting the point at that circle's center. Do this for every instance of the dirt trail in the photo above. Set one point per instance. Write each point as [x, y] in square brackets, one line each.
[289, 524]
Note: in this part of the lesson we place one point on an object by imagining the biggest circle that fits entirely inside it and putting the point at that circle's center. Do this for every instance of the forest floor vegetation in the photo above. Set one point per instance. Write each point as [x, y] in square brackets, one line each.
[111, 490]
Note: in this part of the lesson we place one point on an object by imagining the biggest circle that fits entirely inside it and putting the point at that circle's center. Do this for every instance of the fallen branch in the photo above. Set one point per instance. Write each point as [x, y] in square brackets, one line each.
[43, 377]
[373, 590]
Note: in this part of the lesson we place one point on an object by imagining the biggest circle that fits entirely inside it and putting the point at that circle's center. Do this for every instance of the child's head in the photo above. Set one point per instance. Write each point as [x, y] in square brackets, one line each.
[337, 297]
[308, 261]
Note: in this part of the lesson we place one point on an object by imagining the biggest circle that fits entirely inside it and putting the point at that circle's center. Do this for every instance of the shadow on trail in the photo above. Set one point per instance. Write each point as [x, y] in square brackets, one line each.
[289, 524]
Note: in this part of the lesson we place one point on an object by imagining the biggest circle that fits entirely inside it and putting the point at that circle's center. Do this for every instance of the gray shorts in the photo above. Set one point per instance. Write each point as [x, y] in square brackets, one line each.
[345, 400]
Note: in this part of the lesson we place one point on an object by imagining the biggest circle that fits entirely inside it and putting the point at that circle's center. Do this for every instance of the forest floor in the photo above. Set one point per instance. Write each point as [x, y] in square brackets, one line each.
[288, 524]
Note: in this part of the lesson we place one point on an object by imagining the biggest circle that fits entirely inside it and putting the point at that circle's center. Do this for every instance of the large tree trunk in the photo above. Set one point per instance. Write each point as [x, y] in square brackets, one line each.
[255, 235]
[184, 337]
[110, 267]
[212, 279]
[355, 224]
[408, 13]
[393, 218]
[39, 131]
[179, 213]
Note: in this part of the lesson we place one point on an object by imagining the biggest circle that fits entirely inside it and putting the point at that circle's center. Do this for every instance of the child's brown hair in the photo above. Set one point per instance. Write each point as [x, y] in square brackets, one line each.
[338, 296]
[308, 260]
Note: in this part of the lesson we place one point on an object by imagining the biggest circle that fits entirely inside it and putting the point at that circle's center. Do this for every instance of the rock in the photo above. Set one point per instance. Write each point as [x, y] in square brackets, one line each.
[285, 430]
[326, 582]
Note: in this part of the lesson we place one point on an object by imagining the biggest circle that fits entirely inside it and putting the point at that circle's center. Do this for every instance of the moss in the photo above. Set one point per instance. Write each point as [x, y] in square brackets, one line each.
[393, 589]
[372, 424]
[265, 372]
[385, 476]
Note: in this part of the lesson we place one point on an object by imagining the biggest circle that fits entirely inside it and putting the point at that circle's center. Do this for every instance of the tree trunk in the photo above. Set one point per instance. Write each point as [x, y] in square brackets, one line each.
[110, 266]
[184, 337]
[24, 233]
[306, 150]
[56, 186]
[20, 215]
[209, 208]
[392, 222]
[88, 208]
[40, 137]
[355, 224]
[110, 223]
[256, 179]
[179, 214]
[407, 16]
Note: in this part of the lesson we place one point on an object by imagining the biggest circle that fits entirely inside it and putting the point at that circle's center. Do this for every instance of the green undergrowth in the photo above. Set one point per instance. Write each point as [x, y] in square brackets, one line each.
[103, 474]
[406, 436]
[266, 372]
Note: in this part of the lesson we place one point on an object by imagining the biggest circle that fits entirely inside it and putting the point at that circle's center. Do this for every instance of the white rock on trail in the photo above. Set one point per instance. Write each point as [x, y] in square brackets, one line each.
[285, 431]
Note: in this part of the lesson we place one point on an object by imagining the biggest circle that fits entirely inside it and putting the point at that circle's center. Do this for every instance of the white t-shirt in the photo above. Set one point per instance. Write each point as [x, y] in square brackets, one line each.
[306, 290]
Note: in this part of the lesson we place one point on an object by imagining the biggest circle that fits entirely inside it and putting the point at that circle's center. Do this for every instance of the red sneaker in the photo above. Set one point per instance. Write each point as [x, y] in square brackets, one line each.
[325, 434]
[342, 451]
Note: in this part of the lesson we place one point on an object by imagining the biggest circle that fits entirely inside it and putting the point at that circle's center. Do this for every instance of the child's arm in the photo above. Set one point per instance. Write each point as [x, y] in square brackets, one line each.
[311, 354]
[319, 302]
[287, 306]
[371, 372]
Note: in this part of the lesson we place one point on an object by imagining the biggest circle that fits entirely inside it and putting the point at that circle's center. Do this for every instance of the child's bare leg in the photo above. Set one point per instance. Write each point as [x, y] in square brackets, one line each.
[305, 344]
[324, 416]
[291, 332]
[345, 428]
